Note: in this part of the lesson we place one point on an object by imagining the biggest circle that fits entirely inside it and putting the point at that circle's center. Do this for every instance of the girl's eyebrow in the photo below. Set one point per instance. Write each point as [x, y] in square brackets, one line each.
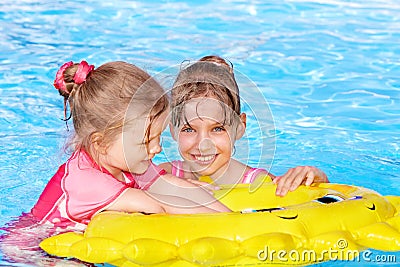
[216, 123]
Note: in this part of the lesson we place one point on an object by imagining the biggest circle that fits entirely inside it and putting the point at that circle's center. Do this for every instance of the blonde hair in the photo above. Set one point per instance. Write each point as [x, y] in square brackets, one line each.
[99, 104]
[211, 76]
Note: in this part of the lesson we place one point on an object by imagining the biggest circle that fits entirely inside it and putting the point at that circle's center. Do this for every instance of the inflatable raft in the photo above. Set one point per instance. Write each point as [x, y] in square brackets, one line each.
[312, 224]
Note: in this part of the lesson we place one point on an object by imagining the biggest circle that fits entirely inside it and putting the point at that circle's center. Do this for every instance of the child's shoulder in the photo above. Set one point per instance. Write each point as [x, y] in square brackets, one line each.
[177, 168]
[167, 166]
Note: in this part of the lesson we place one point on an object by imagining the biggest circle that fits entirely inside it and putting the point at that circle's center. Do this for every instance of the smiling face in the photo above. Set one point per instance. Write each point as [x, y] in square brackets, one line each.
[131, 151]
[207, 135]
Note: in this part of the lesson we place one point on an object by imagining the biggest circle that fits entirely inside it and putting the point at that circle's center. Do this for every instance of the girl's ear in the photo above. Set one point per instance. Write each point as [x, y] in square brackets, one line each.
[97, 142]
[172, 131]
[240, 130]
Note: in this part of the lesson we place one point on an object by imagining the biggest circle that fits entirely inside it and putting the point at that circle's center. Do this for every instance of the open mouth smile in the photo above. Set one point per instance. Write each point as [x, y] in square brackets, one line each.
[207, 159]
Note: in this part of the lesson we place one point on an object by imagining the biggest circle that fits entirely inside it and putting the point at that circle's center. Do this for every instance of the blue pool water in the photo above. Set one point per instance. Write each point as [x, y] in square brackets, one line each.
[329, 70]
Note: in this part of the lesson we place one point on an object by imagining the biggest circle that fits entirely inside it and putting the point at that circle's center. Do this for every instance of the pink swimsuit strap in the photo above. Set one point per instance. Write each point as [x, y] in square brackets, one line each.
[177, 168]
[248, 177]
[252, 174]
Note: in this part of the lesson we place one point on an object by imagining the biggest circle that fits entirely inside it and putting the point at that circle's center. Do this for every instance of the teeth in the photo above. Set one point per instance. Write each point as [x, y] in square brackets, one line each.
[204, 158]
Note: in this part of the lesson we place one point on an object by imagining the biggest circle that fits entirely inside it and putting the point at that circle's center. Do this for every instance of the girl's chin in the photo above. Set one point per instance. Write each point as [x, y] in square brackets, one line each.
[204, 170]
[140, 168]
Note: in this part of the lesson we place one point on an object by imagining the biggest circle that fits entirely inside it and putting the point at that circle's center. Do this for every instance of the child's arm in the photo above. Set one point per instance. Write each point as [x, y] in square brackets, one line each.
[136, 200]
[297, 176]
[197, 196]
[168, 195]
[167, 166]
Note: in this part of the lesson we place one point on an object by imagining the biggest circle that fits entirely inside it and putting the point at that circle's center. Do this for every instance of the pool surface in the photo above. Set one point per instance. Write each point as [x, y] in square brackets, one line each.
[327, 72]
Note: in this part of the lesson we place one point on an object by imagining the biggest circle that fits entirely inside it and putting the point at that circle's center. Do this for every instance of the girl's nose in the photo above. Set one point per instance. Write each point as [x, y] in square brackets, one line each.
[154, 149]
[202, 136]
[206, 145]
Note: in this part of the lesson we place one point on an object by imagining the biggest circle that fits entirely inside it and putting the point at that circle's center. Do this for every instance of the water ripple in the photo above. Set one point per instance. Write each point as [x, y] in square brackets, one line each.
[328, 69]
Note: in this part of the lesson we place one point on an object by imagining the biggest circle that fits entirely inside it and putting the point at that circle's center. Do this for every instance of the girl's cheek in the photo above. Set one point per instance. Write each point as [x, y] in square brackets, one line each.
[186, 141]
[227, 142]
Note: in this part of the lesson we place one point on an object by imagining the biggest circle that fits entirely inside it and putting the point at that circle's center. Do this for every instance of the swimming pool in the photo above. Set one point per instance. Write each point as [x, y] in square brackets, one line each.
[329, 70]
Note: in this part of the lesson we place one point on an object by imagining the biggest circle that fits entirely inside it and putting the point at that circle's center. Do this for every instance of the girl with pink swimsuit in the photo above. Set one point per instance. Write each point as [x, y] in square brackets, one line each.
[118, 113]
[206, 122]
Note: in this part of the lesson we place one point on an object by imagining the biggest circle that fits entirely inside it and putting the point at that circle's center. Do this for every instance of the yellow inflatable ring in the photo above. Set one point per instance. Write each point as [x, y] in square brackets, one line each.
[312, 224]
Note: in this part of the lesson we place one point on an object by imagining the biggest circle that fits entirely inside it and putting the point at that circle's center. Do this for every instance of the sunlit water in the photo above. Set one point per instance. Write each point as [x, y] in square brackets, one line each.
[329, 71]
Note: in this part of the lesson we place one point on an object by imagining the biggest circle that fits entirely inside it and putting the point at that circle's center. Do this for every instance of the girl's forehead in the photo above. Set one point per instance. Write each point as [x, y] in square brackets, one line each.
[205, 108]
[139, 124]
[136, 125]
[162, 120]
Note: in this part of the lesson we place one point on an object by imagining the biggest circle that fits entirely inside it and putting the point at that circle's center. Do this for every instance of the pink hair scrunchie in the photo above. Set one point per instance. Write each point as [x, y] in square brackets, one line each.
[59, 82]
[80, 76]
[83, 70]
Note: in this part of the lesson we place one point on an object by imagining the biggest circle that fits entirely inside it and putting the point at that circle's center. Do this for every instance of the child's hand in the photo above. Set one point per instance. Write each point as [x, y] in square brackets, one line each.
[297, 176]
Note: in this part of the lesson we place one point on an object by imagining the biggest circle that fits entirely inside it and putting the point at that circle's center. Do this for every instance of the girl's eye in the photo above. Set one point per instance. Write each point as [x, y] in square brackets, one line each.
[145, 143]
[187, 130]
[219, 129]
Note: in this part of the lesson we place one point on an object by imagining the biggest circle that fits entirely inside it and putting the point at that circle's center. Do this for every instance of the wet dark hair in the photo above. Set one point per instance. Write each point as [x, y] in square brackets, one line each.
[211, 76]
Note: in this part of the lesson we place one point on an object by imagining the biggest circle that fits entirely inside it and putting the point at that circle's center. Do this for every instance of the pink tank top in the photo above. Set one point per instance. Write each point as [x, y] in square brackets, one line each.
[80, 189]
[248, 177]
